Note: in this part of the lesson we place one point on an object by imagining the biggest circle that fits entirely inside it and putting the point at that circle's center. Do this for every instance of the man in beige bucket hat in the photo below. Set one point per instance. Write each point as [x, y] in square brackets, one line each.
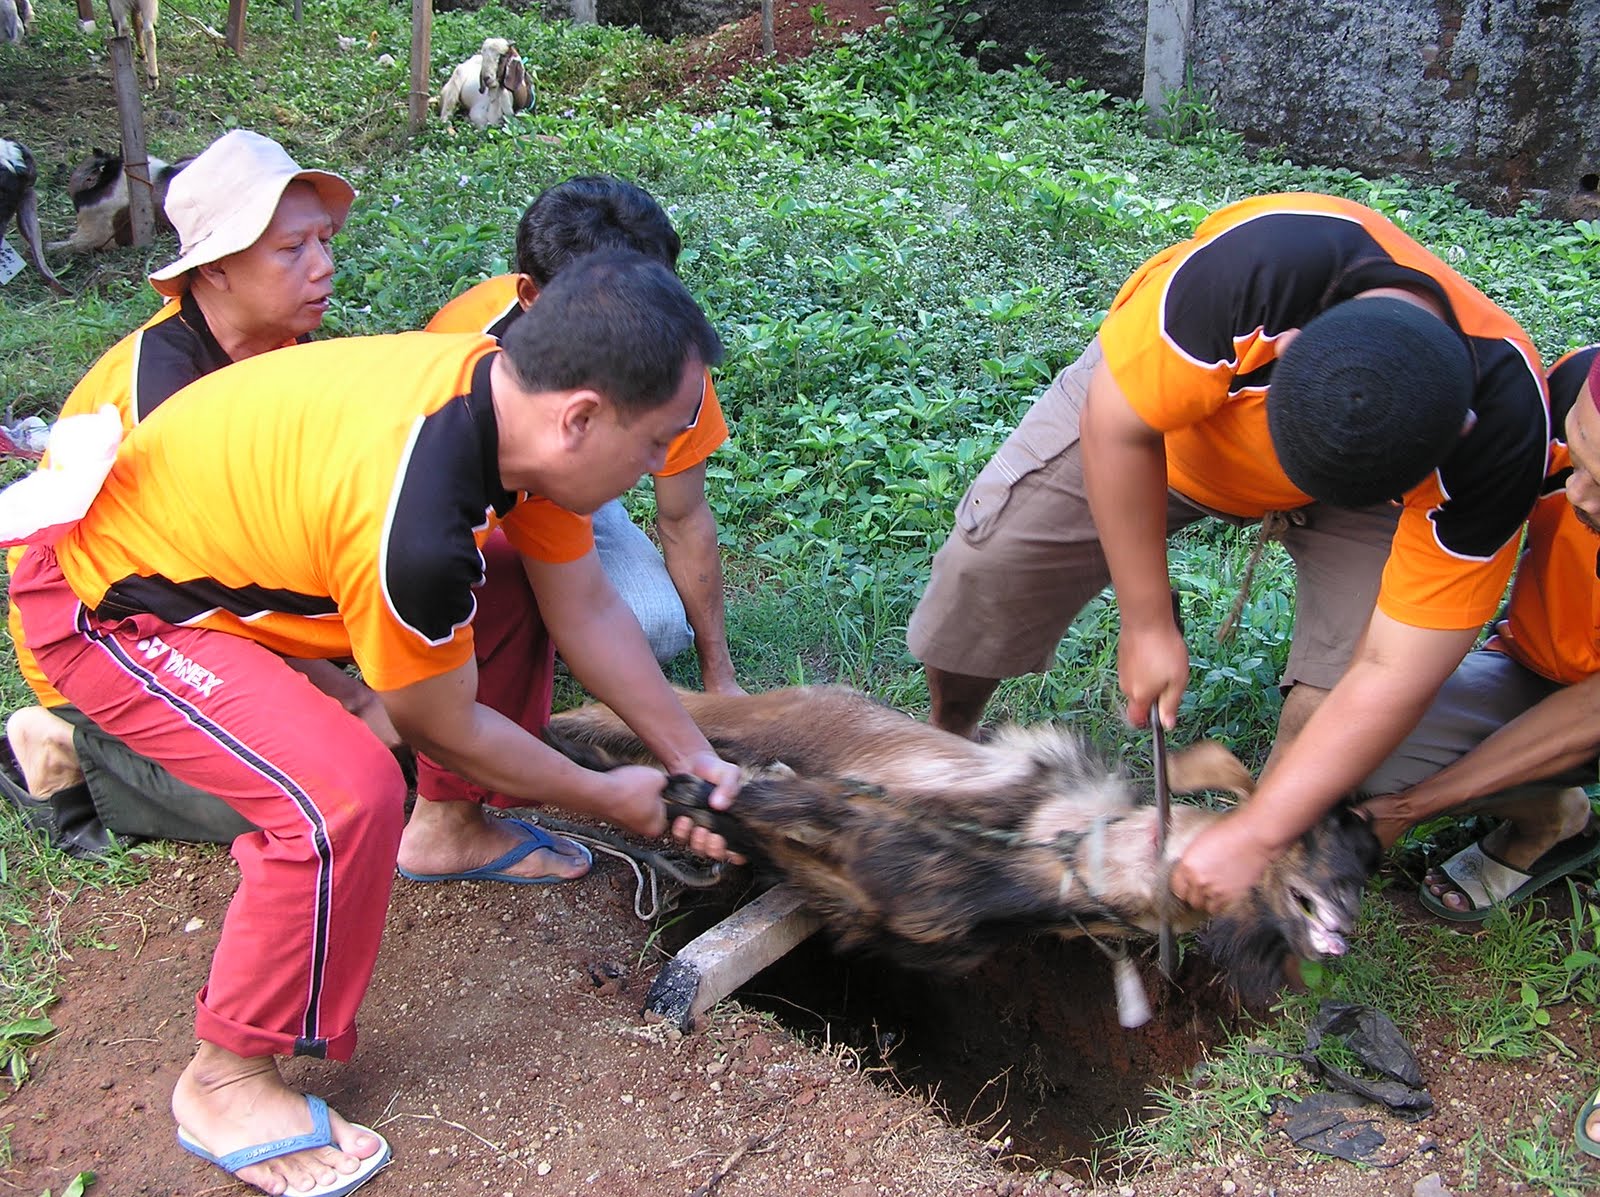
[254, 272]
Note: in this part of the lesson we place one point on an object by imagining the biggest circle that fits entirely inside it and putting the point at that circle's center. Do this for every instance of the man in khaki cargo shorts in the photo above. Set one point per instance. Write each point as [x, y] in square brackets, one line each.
[1405, 431]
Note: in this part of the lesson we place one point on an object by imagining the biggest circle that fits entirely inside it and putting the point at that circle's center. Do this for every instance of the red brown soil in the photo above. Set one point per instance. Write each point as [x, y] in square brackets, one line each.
[503, 1051]
[796, 33]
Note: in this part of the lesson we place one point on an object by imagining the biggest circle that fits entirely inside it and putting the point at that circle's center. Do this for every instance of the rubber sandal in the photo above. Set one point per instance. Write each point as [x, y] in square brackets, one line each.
[535, 838]
[1587, 1143]
[1489, 882]
[321, 1136]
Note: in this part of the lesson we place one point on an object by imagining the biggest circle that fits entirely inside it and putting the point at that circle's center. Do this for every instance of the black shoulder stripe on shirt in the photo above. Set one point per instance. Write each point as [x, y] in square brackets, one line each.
[1272, 272]
[1566, 380]
[1493, 477]
[447, 486]
[173, 354]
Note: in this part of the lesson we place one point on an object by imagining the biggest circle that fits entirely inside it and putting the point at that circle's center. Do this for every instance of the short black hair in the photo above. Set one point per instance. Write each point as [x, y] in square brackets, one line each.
[615, 321]
[589, 213]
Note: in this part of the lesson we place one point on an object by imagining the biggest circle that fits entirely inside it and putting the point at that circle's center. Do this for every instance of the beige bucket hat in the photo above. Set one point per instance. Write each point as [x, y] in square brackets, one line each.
[224, 200]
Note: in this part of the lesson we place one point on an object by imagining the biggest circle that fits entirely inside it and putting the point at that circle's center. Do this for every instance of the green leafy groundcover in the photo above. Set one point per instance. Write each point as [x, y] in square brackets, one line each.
[899, 250]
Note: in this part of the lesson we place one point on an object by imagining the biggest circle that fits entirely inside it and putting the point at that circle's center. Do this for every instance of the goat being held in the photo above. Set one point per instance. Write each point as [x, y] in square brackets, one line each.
[489, 86]
[933, 850]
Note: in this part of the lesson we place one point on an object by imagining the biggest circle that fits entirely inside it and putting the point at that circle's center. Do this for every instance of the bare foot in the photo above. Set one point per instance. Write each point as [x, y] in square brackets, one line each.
[1592, 1127]
[225, 1103]
[42, 743]
[1519, 842]
[454, 837]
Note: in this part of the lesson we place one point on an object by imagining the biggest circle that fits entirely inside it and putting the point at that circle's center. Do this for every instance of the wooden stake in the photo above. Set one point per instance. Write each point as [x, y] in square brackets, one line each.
[421, 54]
[135, 157]
[235, 31]
[769, 47]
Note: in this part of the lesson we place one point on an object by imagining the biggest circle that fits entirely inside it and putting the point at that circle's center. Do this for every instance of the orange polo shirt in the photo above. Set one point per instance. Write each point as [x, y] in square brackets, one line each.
[492, 305]
[1192, 338]
[327, 500]
[1552, 623]
[136, 375]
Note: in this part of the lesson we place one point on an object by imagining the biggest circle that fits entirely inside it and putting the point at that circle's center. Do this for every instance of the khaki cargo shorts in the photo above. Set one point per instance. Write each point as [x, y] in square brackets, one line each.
[1024, 557]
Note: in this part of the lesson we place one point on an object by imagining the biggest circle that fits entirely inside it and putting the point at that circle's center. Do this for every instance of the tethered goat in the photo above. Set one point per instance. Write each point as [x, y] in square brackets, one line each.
[489, 86]
[932, 850]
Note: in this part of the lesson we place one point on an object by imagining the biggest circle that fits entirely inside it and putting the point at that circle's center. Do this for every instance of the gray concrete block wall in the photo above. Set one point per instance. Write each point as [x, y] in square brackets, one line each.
[1500, 96]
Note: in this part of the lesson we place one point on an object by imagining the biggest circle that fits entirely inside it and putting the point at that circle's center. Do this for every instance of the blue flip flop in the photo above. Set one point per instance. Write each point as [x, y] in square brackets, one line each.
[321, 1136]
[535, 838]
[1587, 1143]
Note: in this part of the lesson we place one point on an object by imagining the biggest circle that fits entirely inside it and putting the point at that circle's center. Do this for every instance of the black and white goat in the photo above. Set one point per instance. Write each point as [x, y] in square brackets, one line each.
[99, 190]
[489, 87]
[17, 199]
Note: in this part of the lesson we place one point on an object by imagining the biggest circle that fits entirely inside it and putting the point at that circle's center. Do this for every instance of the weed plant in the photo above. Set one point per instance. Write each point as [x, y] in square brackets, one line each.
[900, 251]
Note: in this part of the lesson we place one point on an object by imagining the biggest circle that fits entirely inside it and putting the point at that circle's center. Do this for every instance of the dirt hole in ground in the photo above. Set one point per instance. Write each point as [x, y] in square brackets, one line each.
[1024, 1053]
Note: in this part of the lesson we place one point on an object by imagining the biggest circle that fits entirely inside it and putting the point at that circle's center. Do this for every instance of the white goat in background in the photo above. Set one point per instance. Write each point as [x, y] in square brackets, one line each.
[143, 14]
[489, 86]
[15, 17]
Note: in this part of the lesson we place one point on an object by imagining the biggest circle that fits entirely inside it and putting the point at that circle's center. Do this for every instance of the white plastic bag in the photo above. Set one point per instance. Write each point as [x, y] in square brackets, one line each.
[42, 507]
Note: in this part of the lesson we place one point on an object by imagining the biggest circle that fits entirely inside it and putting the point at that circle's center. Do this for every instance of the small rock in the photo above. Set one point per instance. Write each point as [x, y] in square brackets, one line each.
[544, 1168]
[1431, 1185]
[386, 60]
[193, 925]
[1228, 1188]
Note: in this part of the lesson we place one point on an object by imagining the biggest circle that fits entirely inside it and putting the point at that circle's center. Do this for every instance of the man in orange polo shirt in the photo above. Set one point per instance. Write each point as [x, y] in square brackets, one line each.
[273, 510]
[1513, 732]
[676, 594]
[1299, 354]
[254, 273]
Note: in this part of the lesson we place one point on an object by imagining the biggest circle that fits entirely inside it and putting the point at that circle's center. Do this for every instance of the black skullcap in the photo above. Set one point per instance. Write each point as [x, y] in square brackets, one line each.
[1367, 400]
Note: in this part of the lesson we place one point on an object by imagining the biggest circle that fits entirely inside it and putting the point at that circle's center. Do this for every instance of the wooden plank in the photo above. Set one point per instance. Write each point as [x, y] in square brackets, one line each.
[421, 54]
[713, 965]
[135, 158]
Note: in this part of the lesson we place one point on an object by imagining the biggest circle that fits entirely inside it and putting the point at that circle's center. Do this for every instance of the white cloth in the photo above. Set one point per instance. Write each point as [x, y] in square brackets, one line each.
[42, 507]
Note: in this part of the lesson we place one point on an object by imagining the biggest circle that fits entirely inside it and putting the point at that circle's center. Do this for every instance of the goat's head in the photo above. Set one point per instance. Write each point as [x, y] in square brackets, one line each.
[95, 171]
[493, 51]
[1306, 904]
[513, 72]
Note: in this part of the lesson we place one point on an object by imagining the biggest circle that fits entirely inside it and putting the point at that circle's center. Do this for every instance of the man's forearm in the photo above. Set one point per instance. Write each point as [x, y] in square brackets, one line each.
[1365, 717]
[1548, 739]
[694, 561]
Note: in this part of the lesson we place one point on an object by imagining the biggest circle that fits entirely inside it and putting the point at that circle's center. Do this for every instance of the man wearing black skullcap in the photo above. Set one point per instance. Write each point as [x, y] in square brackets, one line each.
[1300, 359]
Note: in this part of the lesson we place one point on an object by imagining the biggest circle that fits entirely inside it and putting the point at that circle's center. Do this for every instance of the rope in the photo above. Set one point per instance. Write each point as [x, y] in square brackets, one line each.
[648, 865]
[1272, 527]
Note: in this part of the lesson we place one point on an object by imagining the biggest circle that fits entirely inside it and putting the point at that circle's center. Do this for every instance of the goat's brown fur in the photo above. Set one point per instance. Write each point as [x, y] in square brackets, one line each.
[931, 848]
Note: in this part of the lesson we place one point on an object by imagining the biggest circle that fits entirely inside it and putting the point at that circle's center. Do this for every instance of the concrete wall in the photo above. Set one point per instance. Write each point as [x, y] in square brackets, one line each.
[1500, 96]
